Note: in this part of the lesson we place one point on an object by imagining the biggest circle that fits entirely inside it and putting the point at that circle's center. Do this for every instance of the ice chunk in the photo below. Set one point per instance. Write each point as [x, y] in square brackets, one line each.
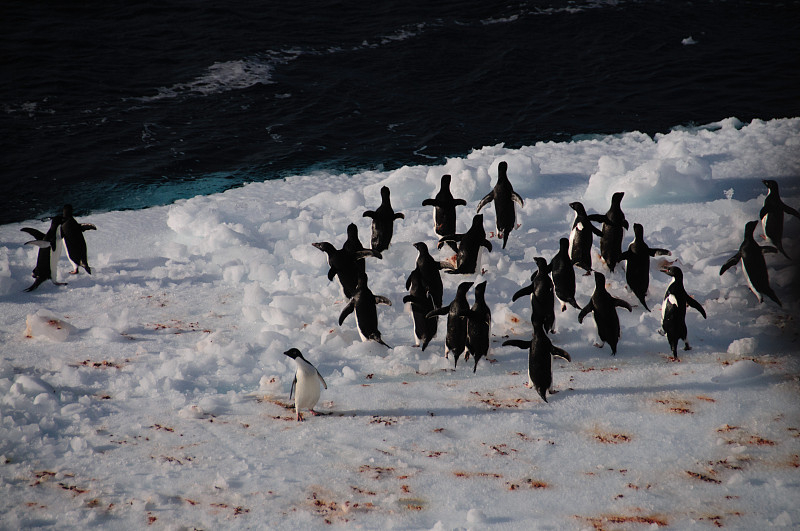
[739, 371]
[46, 324]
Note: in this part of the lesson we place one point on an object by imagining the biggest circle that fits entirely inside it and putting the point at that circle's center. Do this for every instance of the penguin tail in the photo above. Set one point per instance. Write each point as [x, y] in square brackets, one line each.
[543, 393]
[378, 339]
[36, 284]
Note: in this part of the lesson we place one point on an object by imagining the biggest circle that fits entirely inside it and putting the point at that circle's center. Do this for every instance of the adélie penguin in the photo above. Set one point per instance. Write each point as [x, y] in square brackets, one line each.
[75, 243]
[479, 324]
[542, 299]
[504, 197]
[344, 265]
[383, 221]
[563, 274]
[305, 385]
[364, 304]
[673, 310]
[540, 359]
[755, 267]
[469, 247]
[457, 311]
[611, 232]
[604, 307]
[772, 215]
[580, 237]
[637, 256]
[49, 245]
[444, 209]
[421, 303]
[430, 270]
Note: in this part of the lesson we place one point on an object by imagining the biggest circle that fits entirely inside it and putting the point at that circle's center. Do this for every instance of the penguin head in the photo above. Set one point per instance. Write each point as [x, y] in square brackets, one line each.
[67, 211]
[294, 353]
[446, 181]
[541, 263]
[563, 244]
[362, 281]
[502, 169]
[326, 247]
[771, 185]
[749, 227]
[673, 271]
[56, 220]
[638, 231]
[599, 280]
[352, 231]
[464, 287]
[477, 221]
[480, 289]
[616, 199]
[422, 248]
[385, 193]
[577, 206]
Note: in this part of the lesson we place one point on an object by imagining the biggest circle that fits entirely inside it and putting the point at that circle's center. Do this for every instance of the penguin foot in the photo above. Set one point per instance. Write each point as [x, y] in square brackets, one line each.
[687, 346]
[528, 385]
[74, 272]
[600, 345]
[315, 413]
[299, 417]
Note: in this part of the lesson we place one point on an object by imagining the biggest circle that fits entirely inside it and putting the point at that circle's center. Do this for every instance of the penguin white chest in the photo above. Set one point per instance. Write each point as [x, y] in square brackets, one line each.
[307, 391]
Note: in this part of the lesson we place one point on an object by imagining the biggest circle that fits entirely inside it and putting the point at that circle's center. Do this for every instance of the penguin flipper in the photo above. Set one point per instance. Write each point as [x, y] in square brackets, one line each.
[321, 379]
[789, 210]
[444, 310]
[589, 308]
[360, 255]
[485, 201]
[487, 244]
[561, 353]
[527, 290]
[430, 202]
[348, 309]
[732, 261]
[399, 215]
[696, 305]
[517, 199]
[39, 235]
[368, 214]
[460, 202]
[768, 249]
[380, 299]
[331, 273]
[519, 343]
[41, 244]
[87, 226]
[294, 384]
[625, 224]
[660, 252]
[622, 304]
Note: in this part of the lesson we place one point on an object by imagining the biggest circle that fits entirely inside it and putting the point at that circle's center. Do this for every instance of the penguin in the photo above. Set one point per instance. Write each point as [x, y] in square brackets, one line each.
[344, 265]
[50, 246]
[755, 267]
[673, 310]
[305, 385]
[563, 274]
[383, 222]
[605, 313]
[353, 245]
[364, 304]
[772, 215]
[580, 238]
[479, 324]
[540, 360]
[611, 232]
[542, 297]
[444, 210]
[637, 256]
[504, 197]
[469, 246]
[421, 302]
[430, 269]
[72, 233]
[457, 311]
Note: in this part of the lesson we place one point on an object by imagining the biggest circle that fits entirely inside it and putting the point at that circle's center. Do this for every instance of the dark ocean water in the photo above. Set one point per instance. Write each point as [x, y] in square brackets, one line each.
[118, 105]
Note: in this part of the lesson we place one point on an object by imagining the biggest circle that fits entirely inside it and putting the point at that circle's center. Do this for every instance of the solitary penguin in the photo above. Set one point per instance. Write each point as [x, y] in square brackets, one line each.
[504, 197]
[72, 233]
[772, 215]
[456, 339]
[605, 313]
[479, 323]
[611, 233]
[444, 209]
[563, 273]
[469, 246]
[364, 304]
[383, 222]
[580, 238]
[542, 299]
[540, 360]
[344, 265]
[49, 252]
[305, 385]
[637, 272]
[673, 311]
[755, 267]
[421, 302]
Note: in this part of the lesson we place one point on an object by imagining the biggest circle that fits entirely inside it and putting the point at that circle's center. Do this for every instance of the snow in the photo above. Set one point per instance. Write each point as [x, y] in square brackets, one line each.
[155, 390]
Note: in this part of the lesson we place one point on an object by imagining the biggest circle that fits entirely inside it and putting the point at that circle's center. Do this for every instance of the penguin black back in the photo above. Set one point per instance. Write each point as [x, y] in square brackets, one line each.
[612, 231]
[469, 246]
[504, 197]
[444, 208]
[755, 267]
[479, 325]
[457, 312]
[580, 237]
[383, 221]
[603, 307]
[563, 275]
[637, 256]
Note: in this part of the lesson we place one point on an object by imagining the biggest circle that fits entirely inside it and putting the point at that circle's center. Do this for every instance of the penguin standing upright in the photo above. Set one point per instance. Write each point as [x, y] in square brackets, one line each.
[430, 269]
[580, 238]
[364, 304]
[444, 209]
[457, 311]
[504, 197]
[611, 232]
[354, 246]
[603, 305]
[479, 324]
[563, 273]
[469, 246]
[673, 310]
[383, 222]
[344, 265]
[421, 303]
[540, 360]
[542, 299]
[49, 253]
[637, 272]
[772, 215]
[305, 385]
[72, 233]
[755, 267]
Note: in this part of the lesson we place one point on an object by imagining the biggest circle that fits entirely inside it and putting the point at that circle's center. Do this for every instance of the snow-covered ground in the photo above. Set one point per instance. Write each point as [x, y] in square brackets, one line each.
[163, 399]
